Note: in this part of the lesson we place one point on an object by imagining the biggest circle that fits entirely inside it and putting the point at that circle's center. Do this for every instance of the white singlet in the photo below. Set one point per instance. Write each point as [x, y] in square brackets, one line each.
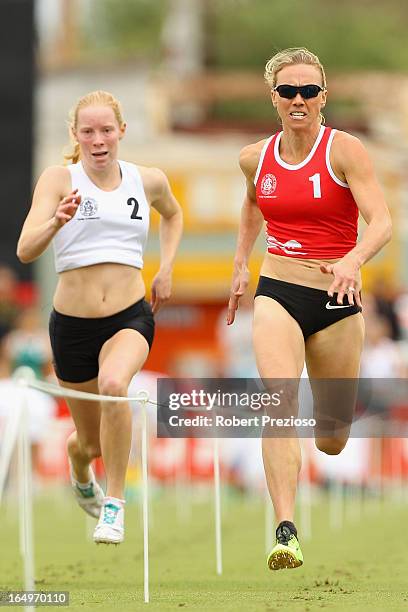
[108, 226]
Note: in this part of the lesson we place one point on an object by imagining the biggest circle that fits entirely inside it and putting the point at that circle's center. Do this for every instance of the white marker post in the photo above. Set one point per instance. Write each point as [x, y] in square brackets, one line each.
[23, 376]
[145, 505]
[26, 500]
[269, 522]
[26, 378]
[305, 495]
[217, 502]
[10, 435]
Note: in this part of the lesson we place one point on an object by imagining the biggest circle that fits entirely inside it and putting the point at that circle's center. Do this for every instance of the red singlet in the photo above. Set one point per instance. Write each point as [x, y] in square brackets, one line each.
[309, 212]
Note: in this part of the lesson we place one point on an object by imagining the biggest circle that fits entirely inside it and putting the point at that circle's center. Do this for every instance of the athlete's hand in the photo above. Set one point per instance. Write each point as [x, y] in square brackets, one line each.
[161, 289]
[240, 281]
[347, 280]
[67, 208]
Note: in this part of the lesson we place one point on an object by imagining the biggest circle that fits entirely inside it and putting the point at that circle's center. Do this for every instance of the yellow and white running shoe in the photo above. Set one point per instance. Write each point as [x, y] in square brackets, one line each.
[286, 553]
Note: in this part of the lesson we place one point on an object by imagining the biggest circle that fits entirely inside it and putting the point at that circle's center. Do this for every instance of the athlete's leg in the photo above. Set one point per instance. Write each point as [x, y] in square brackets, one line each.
[335, 353]
[120, 358]
[279, 350]
[83, 444]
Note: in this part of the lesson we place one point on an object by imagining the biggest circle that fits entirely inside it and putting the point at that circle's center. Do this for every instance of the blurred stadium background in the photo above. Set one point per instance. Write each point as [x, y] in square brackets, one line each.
[189, 74]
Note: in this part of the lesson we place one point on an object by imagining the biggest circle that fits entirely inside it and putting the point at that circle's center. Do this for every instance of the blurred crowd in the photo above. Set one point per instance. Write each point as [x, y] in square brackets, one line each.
[23, 339]
[24, 342]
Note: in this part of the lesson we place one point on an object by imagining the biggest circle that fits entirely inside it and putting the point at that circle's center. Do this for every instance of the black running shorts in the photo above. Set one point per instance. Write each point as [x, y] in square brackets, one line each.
[77, 341]
[313, 309]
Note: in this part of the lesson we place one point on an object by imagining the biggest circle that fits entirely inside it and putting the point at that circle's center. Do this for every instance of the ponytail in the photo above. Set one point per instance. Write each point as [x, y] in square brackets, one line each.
[74, 156]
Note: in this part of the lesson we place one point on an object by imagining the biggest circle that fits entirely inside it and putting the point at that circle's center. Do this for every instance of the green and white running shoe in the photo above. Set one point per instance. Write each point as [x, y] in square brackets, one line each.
[286, 554]
[89, 496]
[110, 528]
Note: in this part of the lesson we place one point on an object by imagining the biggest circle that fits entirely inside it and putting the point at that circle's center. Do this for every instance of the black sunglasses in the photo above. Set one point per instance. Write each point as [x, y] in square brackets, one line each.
[291, 91]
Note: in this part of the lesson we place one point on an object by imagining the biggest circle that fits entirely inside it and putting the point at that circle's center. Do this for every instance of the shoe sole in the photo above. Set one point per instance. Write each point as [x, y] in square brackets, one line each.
[283, 559]
[103, 539]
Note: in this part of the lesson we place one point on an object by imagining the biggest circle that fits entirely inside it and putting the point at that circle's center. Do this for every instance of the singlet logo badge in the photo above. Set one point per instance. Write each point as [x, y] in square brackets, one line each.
[268, 184]
[88, 207]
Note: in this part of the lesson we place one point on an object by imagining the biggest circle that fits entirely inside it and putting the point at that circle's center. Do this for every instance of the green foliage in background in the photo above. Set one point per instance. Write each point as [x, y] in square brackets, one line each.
[124, 29]
[346, 34]
[245, 33]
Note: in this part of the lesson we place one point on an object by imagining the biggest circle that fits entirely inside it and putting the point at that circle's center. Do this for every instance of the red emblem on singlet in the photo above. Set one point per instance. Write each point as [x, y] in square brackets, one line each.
[268, 184]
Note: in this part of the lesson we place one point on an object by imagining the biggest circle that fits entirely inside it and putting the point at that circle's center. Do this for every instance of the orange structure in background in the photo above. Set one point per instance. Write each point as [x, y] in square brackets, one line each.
[186, 332]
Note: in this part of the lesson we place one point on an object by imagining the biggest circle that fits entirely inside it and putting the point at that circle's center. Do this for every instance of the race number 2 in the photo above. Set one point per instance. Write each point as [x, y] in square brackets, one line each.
[133, 202]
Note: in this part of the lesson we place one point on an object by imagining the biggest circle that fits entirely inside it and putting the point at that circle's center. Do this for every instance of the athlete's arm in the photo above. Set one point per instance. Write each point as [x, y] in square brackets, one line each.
[249, 227]
[162, 199]
[353, 165]
[49, 211]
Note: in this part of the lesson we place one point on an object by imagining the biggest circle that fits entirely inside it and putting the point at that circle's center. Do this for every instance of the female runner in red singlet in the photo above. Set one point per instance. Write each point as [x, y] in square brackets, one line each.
[309, 184]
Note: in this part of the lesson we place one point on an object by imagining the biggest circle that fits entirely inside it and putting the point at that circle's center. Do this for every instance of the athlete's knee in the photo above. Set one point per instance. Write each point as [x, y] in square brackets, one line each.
[111, 384]
[330, 446]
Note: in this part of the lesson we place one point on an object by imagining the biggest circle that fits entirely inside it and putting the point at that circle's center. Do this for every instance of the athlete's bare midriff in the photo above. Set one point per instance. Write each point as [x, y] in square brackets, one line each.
[304, 272]
[99, 290]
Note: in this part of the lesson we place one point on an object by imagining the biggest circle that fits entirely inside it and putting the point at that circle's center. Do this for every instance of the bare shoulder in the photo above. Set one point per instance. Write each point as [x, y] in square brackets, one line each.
[154, 181]
[346, 145]
[53, 184]
[152, 175]
[349, 156]
[249, 158]
[56, 175]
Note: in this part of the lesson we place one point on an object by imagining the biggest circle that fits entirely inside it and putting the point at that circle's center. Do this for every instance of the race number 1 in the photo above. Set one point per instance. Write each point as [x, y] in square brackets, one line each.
[315, 179]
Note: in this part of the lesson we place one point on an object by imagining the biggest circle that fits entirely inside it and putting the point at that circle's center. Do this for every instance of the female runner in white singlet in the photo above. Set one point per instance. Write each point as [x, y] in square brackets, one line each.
[96, 212]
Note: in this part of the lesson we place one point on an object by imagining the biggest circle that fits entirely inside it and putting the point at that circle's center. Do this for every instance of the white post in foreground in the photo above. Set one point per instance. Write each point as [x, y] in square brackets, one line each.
[25, 485]
[145, 505]
[26, 378]
[305, 495]
[20, 479]
[269, 522]
[217, 500]
[10, 435]
[336, 501]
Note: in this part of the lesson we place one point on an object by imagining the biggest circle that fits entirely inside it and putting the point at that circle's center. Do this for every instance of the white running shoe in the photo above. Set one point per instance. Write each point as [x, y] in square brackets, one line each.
[90, 497]
[110, 528]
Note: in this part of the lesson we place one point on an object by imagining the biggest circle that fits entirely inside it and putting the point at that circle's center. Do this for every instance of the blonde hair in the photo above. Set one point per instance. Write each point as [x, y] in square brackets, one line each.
[287, 57]
[94, 98]
[291, 56]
